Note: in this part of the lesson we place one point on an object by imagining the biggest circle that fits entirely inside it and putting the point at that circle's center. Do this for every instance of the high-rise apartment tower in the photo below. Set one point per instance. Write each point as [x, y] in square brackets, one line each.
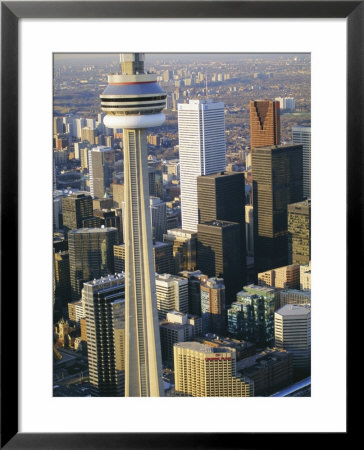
[104, 307]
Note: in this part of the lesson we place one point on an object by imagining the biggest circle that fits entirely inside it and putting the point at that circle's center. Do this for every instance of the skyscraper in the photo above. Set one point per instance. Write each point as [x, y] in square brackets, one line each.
[292, 332]
[133, 101]
[194, 289]
[75, 208]
[213, 309]
[91, 255]
[302, 135]
[251, 317]
[221, 196]
[101, 161]
[202, 151]
[277, 181]
[184, 248]
[178, 327]
[171, 293]
[219, 254]
[299, 232]
[264, 123]
[158, 216]
[162, 256]
[104, 306]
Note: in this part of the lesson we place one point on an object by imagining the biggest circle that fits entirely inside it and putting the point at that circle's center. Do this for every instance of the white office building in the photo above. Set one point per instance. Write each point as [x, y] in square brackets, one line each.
[202, 151]
[292, 332]
[171, 293]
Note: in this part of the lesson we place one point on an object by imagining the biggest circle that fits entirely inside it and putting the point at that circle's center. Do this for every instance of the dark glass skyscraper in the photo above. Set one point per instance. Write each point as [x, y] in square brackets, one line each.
[277, 182]
[219, 254]
[91, 255]
[221, 197]
[76, 208]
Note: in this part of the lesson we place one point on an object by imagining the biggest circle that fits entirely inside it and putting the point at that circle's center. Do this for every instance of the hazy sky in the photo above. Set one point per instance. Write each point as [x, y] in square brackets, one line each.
[94, 58]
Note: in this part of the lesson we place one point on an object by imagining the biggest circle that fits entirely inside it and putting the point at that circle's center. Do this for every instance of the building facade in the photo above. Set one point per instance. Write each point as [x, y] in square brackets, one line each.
[251, 317]
[75, 208]
[171, 294]
[299, 232]
[184, 248]
[286, 277]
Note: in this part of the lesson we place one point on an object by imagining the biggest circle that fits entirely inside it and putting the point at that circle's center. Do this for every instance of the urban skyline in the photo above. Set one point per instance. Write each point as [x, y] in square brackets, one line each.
[196, 87]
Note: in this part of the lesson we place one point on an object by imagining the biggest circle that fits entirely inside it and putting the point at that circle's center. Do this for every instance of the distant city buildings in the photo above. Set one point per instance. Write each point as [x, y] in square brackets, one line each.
[286, 104]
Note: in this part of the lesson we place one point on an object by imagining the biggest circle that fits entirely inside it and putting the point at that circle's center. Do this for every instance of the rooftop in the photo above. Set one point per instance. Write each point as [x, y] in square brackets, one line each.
[294, 310]
[204, 348]
[92, 230]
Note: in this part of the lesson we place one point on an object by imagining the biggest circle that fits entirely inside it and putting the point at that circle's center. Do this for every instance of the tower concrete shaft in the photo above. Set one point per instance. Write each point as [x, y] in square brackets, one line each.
[133, 101]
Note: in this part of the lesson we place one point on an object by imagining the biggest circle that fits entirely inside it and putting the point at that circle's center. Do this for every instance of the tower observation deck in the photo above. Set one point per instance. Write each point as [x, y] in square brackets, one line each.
[134, 102]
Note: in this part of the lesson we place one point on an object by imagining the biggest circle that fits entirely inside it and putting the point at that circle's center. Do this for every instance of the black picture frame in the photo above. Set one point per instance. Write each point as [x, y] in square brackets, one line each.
[11, 12]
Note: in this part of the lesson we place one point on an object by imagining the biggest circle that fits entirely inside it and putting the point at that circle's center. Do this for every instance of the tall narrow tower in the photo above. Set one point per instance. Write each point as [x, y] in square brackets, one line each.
[134, 102]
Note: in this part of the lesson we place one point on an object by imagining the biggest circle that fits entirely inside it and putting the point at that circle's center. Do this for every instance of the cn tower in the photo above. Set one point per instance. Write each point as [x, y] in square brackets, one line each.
[134, 102]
